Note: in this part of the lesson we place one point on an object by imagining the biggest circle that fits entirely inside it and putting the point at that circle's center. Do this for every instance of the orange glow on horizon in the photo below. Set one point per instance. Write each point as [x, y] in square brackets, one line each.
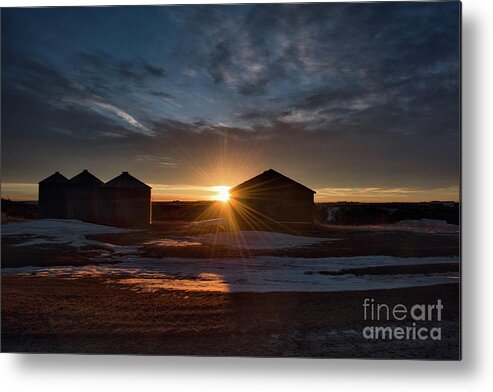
[186, 192]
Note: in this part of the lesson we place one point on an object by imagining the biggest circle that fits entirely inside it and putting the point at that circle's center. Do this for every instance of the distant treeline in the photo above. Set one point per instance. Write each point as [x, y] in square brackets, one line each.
[165, 211]
[342, 213]
[19, 209]
[385, 213]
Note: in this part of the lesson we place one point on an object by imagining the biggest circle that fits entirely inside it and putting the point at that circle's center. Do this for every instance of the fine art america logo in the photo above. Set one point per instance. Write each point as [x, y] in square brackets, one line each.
[409, 320]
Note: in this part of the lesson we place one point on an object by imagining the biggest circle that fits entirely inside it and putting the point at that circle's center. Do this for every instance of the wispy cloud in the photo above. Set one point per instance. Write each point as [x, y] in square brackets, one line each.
[159, 161]
[112, 109]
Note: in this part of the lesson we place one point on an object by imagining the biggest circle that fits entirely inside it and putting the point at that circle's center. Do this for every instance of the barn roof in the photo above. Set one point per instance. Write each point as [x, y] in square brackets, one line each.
[125, 180]
[269, 178]
[84, 177]
[55, 178]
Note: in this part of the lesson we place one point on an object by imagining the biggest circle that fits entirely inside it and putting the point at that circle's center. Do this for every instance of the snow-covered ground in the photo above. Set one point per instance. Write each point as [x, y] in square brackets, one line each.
[259, 240]
[252, 274]
[217, 222]
[58, 232]
[172, 243]
[256, 274]
[72, 233]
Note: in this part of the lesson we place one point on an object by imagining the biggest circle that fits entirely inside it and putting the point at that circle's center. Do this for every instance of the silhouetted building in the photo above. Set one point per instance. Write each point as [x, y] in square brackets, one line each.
[52, 197]
[125, 201]
[122, 201]
[83, 195]
[272, 201]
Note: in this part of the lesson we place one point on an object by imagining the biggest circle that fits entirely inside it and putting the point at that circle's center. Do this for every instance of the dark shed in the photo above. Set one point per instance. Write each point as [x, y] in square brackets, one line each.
[52, 197]
[83, 193]
[272, 200]
[125, 201]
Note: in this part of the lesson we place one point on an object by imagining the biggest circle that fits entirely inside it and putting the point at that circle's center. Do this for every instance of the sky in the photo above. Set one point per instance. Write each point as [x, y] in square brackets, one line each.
[360, 102]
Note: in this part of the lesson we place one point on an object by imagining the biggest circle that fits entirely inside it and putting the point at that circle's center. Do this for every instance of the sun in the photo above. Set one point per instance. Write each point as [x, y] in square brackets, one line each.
[222, 193]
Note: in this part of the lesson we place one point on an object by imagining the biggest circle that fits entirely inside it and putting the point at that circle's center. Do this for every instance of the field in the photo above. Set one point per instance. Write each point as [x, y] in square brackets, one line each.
[188, 288]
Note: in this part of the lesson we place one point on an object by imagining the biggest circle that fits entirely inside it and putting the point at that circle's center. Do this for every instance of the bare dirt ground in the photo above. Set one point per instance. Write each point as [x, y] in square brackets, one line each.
[46, 314]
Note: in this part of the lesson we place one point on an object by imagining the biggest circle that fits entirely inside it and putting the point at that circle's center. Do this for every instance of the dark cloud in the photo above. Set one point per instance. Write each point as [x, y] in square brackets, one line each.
[139, 71]
[220, 56]
[370, 47]
[152, 70]
[161, 94]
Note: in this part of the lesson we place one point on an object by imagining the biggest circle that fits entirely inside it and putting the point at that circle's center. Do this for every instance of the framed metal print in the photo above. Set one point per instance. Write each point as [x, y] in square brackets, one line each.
[270, 180]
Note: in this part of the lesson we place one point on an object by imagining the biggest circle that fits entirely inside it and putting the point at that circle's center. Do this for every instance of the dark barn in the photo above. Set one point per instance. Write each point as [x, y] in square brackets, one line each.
[125, 201]
[83, 193]
[272, 201]
[52, 197]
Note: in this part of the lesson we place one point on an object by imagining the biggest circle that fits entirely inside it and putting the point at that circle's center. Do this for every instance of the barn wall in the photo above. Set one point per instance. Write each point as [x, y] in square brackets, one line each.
[264, 208]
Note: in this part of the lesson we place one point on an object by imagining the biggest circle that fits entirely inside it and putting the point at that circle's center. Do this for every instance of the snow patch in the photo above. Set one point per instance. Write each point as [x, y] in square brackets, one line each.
[259, 240]
[69, 232]
[256, 274]
[209, 223]
[173, 243]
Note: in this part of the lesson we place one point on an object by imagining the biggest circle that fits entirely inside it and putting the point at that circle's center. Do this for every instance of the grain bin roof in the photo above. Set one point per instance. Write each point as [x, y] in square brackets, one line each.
[84, 177]
[55, 178]
[271, 179]
[125, 180]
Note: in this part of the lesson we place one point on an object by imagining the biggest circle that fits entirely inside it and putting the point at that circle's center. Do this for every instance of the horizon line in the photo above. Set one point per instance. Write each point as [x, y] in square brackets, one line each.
[316, 202]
